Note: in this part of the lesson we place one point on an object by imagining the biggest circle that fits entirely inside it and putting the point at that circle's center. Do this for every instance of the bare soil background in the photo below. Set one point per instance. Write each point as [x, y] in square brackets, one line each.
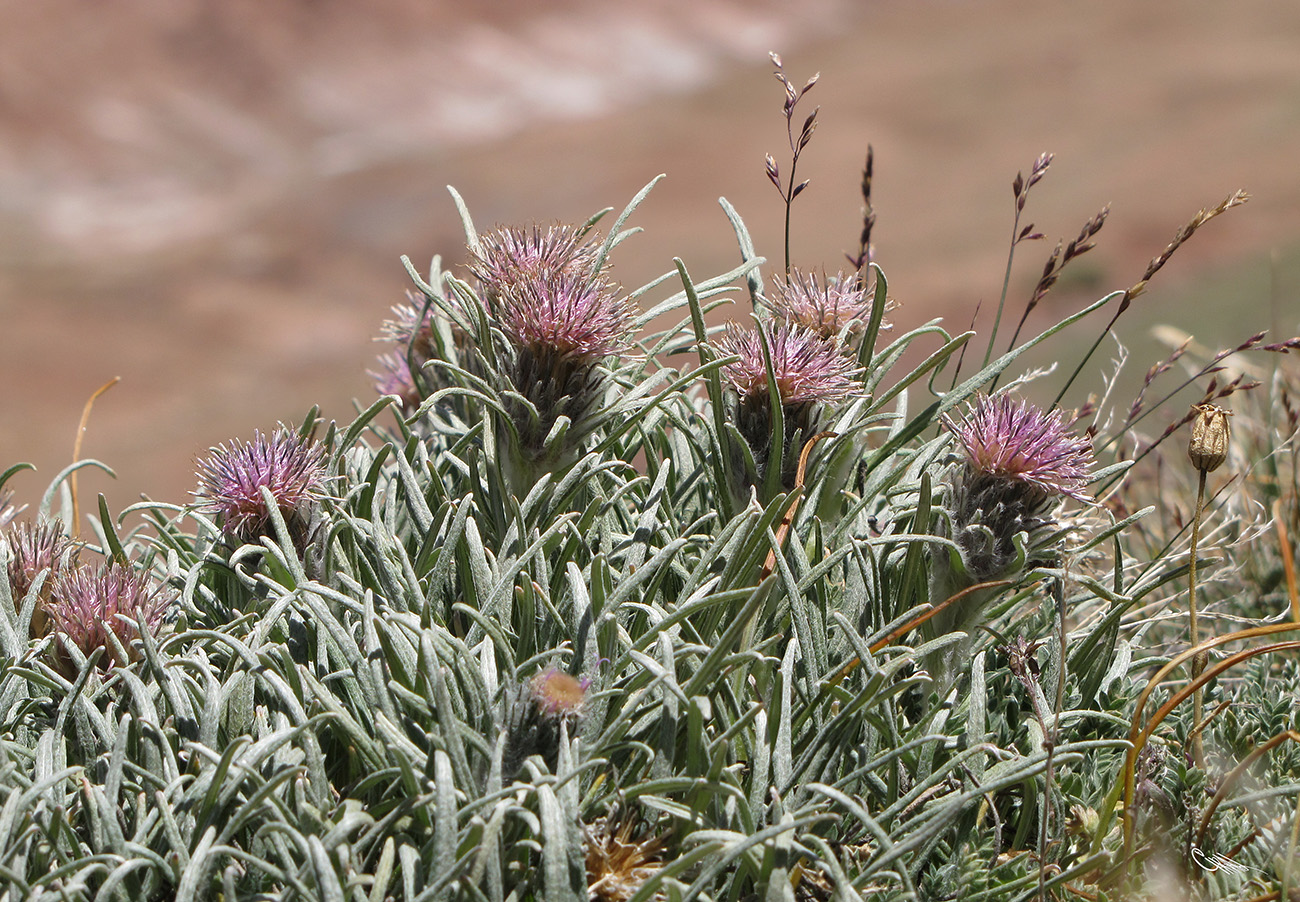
[209, 199]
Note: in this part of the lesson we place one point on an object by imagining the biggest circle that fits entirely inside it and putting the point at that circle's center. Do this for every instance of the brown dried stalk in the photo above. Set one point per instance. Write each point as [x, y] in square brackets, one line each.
[865, 251]
[1207, 450]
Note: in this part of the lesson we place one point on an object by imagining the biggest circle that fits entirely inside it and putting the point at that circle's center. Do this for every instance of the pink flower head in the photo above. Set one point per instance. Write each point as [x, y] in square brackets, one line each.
[807, 367]
[512, 256]
[827, 306]
[408, 330]
[1015, 440]
[31, 550]
[558, 693]
[394, 378]
[88, 603]
[541, 288]
[232, 478]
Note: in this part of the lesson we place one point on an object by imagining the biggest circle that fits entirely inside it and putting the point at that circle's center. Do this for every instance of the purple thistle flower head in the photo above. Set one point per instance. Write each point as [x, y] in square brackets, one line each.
[1015, 440]
[88, 603]
[560, 317]
[511, 256]
[408, 330]
[807, 367]
[809, 371]
[568, 317]
[394, 378]
[541, 288]
[828, 306]
[231, 481]
[31, 550]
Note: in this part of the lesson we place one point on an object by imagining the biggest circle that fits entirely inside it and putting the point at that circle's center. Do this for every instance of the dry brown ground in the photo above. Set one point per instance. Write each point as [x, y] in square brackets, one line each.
[178, 206]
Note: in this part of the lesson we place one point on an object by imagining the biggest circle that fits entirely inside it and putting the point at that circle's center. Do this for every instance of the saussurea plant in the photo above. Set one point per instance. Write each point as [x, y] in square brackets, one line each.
[698, 590]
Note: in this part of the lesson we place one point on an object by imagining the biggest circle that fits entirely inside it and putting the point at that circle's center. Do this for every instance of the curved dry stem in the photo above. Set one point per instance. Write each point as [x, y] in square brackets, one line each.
[76, 446]
[922, 618]
[1234, 774]
[1138, 737]
[1288, 562]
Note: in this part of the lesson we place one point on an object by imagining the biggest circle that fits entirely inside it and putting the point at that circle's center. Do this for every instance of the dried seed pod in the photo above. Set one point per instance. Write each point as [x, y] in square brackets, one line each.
[1208, 448]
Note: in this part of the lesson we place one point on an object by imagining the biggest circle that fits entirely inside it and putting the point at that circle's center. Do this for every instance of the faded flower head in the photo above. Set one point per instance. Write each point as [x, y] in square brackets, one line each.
[232, 478]
[542, 289]
[1015, 440]
[539, 711]
[88, 603]
[1208, 448]
[620, 856]
[831, 307]
[807, 367]
[557, 693]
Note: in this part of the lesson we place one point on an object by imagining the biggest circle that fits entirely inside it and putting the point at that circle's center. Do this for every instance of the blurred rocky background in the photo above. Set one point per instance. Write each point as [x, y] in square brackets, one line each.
[208, 198]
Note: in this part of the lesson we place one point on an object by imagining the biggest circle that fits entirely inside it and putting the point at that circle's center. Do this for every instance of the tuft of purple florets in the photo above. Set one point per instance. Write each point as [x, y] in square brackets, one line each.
[544, 290]
[393, 377]
[31, 550]
[807, 367]
[561, 318]
[1015, 440]
[411, 329]
[232, 478]
[809, 372]
[831, 307]
[89, 603]
[512, 256]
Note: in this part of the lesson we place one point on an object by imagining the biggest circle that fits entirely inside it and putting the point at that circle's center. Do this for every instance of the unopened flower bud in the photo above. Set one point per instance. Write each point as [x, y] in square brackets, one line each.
[1208, 448]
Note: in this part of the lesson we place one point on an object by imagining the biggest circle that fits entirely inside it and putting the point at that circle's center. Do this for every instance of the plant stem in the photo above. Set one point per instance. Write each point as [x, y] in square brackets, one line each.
[1050, 741]
[789, 194]
[1198, 662]
[1086, 357]
[1006, 283]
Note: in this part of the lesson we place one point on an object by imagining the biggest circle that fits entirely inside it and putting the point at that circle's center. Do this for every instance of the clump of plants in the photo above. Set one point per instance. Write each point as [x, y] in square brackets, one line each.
[706, 589]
